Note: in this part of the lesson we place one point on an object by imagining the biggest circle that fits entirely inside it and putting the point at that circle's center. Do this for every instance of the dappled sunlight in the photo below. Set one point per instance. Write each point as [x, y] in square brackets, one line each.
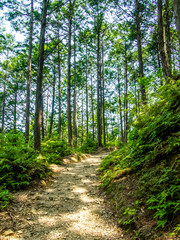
[77, 189]
[68, 209]
[86, 181]
[86, 199]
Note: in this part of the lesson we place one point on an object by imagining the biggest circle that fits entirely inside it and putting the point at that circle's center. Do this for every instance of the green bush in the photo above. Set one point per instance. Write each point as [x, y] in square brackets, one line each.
[89, 145]
[54, 150]
[19, 165]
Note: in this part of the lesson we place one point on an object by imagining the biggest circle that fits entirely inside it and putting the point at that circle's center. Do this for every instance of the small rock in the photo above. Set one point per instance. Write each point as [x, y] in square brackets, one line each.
[8, 232]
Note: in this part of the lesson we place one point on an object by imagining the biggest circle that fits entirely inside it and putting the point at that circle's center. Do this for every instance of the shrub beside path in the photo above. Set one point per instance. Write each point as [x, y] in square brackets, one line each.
[70, 207]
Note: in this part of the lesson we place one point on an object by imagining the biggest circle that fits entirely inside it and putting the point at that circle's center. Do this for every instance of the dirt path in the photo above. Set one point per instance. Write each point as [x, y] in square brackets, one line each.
[68, 208]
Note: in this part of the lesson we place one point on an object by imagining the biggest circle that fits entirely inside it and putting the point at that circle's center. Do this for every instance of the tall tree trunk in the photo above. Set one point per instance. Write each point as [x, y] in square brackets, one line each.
[4, 95]
[42, 118]
[162, 44]
[75, 95]
[140, 60]
[103, 97]
[69, 78]
[87, 110]
[168, 33]
[53, 100]
[59, 93]
[28, 93]
[176, 7]
[15, 106]
[47, 115]
[125, 99]
[37, 127]
[120, 108]
[92, 109]
[159, 66]
[82, 120]
[99, 92]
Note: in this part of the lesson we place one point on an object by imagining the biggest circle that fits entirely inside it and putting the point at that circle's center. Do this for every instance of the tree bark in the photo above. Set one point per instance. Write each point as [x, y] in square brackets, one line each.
[92, 109]
[15, 106]
[37, 127]
[125, 99]
[47, 115]
[176, 7]
[82, 120]
[42, 118]
[103, 97]
[99, 91]
[69, 78]
[140, 60]
[87, 107]
[4, 95]
[75, 96]
[59, 93]
[168, 33]
[120, 108]
[53, 100]
[28, 91]
[162, 44]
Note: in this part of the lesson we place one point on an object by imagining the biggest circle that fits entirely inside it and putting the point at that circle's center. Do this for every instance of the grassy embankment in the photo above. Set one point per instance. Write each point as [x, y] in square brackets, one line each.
[142, 178]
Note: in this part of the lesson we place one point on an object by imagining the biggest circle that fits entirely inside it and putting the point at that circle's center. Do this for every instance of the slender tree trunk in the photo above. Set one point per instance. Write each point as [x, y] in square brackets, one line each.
[162, 44]
[69, 78]
[75, 96]
[120, 108]
[82, 119]
[4, 95]
[103, 97]
[126, 100]
[59, 93]
[87, 107]
[37, 127]
[176, 7]
[92, 109]
[99, 91]
[15, 107]
[47, 115]
[159, 66]
[53, 100]
[42, 118]
[168, 33]
[140, 60]
[28, 93]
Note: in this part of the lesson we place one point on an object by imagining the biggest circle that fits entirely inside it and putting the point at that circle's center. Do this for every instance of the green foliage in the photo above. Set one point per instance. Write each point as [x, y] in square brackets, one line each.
[129, 216]
[153, 156]
[54, 150]
[19, 165]
[89, 145]
[5, 198]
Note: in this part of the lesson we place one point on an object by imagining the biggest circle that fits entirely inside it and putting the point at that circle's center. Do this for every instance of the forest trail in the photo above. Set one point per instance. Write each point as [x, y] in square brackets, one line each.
[70, 207]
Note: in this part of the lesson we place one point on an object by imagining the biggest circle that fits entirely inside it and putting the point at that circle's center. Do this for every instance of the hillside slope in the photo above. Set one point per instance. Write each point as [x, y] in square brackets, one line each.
[142, 178]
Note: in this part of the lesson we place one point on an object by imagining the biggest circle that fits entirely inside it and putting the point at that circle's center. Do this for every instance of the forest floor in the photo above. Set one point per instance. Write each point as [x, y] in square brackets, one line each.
[69, 207]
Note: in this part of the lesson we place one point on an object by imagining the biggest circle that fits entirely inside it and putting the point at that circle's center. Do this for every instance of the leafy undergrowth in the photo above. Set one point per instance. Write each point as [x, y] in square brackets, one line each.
[19, 166]
[89, 146]
[142, 178]
[54, 150]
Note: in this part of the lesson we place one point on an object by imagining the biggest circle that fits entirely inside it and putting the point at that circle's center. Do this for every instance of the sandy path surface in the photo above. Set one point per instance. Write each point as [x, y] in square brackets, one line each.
[68, 208]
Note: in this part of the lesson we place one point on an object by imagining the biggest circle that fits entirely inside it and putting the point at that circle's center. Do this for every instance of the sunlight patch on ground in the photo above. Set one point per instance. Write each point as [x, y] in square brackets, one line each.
[50, 190]
[79, 190]
[84, 198]
[22, 198]
[86, 181]
[48, 221]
